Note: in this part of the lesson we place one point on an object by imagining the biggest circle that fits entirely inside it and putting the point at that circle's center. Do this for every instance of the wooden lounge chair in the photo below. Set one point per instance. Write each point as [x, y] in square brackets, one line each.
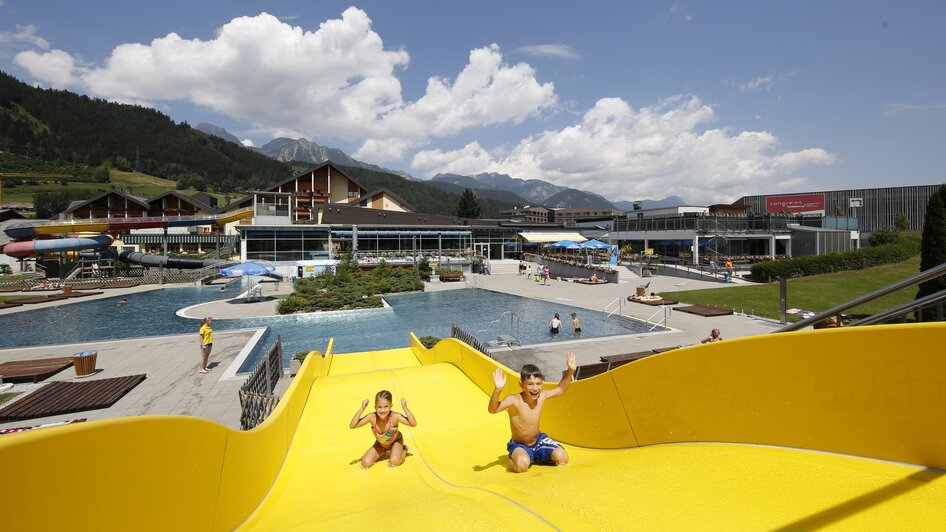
[33, 370]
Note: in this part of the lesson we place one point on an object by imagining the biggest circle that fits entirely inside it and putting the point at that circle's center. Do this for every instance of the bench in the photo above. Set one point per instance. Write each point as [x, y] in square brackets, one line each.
[446, 277]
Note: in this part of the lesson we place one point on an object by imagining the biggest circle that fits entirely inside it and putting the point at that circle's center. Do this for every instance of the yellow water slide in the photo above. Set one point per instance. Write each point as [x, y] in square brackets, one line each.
[835, 428]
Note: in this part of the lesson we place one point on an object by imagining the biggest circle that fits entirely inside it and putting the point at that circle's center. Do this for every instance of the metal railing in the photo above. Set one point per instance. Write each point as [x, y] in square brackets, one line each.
[666, 310]
[618, 310]
[911, 281]
[513, 323]
[256, 395]
[460, 334]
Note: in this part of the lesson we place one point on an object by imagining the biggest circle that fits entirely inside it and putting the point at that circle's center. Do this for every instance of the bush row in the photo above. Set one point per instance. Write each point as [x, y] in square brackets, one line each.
[348, 287]
[768, 271]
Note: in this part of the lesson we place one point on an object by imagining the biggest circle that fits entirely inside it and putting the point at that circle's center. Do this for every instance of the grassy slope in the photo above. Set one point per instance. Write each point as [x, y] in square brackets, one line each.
[815, 293]
[141, 185]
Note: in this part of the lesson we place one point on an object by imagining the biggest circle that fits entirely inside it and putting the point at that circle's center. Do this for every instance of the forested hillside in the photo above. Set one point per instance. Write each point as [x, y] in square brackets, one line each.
[66, 138]
[69, 130]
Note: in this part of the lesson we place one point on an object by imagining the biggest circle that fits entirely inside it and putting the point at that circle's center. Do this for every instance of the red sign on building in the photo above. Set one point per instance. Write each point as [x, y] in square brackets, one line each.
[803, 204]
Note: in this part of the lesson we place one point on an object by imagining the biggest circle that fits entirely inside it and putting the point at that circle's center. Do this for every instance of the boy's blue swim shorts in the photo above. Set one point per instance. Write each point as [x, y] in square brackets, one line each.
[540, 453]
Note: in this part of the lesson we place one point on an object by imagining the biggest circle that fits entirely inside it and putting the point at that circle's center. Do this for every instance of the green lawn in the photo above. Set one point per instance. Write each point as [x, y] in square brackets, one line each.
[815, 293]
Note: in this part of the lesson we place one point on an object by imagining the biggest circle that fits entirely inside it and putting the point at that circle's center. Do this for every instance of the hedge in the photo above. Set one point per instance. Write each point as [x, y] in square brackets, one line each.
[768, 271]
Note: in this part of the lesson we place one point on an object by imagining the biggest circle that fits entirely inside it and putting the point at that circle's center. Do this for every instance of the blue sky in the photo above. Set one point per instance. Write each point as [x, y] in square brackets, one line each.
[705, 100]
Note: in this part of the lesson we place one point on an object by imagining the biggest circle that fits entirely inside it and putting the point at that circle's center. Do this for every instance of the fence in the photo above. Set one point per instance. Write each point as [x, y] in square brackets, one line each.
[256, 395]
[457, 332]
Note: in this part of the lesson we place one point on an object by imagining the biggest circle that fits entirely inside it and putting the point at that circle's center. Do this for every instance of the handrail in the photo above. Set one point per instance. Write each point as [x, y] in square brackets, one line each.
[666, 309]
[497, 320]
[620, 309]
[913, 280]
[901, 309]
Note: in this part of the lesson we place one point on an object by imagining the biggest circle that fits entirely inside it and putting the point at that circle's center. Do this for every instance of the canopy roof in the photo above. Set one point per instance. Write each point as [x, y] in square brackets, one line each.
[534, 236]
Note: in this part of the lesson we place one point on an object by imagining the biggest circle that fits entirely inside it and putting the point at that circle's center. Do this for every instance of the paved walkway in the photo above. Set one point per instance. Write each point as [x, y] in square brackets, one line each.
[173, 385]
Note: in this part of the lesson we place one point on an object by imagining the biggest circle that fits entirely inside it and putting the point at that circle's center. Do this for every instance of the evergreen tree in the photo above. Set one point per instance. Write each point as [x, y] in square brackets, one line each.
[933, 247]
[468, 206]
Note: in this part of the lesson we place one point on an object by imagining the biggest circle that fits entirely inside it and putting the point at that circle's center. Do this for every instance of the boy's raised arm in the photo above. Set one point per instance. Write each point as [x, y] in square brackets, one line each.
[499, 381]
[358, 421]
[566, 378]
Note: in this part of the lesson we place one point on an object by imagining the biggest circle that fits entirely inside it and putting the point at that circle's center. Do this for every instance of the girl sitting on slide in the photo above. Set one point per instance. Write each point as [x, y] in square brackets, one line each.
[384, 424]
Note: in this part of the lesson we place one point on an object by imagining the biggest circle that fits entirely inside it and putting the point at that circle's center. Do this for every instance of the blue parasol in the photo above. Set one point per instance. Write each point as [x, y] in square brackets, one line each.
[565, 244]
[595, 244]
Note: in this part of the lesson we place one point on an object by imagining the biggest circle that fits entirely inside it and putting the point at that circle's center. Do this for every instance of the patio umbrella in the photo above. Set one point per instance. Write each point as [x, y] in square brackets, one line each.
[595, 244]
[565, 244]
[247, 268]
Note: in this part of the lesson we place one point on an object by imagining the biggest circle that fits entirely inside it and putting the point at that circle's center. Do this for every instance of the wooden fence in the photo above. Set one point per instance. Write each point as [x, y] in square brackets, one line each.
[256, 395]
[457, 332]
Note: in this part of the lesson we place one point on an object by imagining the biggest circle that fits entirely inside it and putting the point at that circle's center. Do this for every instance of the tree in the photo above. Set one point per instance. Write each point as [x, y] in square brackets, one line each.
[901, 222]
[468, 206]
[933, 247]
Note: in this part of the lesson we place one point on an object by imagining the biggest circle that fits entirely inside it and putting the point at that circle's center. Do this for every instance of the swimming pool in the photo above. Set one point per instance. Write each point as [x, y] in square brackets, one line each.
[483, 313]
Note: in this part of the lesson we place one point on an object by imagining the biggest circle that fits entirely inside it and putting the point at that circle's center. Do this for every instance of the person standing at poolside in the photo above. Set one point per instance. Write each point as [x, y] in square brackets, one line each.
[206, 343]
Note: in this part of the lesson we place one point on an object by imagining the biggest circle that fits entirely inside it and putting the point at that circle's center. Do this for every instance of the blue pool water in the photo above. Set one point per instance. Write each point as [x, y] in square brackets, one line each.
[426, 313]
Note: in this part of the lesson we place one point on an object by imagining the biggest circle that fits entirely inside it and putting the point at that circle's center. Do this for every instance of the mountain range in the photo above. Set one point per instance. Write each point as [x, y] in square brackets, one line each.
[490, 186]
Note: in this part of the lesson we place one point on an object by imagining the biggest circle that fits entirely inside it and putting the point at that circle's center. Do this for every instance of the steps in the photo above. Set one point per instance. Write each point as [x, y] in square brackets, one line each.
[504, 267]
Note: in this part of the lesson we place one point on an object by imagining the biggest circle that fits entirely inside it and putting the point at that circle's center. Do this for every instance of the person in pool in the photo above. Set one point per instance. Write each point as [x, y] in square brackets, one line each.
[528, 444]
[555, 325]
[384, 422]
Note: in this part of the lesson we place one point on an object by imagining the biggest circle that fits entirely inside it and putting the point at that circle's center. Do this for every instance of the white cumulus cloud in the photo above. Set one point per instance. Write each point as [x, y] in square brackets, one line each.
[337, 81]
[651, 152]
[56, 68]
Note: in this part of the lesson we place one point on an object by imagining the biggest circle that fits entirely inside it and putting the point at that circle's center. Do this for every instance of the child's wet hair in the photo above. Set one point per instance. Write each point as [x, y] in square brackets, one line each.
[383, 394]
[530, 370]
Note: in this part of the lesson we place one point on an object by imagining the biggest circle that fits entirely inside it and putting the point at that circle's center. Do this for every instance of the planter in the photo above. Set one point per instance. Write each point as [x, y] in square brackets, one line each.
[294, 366]
[84, 363]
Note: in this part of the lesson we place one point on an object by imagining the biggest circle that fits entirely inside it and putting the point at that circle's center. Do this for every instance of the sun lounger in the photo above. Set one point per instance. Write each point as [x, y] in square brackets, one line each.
[590, 370]
[705, 310]
[33, 370]
[653, 302]
[58, 398]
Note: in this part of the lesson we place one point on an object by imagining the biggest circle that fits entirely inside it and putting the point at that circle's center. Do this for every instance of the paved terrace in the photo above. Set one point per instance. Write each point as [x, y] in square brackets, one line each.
[174, 387]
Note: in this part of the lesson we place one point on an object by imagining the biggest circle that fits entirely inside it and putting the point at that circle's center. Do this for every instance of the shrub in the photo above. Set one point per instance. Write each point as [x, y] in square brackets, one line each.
[348, 287]
[429, 341]
[884, 235]
[859, 259]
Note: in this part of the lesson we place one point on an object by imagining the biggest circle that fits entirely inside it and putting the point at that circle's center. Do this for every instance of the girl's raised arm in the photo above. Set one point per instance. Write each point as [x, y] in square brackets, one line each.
[409, 417]
[358, 421]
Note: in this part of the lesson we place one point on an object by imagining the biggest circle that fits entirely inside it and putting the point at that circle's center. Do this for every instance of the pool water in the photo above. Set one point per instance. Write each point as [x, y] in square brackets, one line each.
[483, 313]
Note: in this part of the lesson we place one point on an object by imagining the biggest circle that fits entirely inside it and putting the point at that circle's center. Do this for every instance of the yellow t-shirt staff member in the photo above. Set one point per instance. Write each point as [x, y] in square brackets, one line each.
[206, 343]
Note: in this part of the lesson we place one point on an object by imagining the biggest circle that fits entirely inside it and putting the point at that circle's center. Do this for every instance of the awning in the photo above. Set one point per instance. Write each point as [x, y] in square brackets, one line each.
[551, 237]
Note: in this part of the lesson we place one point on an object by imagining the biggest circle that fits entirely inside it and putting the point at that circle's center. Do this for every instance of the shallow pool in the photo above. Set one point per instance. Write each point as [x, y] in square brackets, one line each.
[483, 313]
